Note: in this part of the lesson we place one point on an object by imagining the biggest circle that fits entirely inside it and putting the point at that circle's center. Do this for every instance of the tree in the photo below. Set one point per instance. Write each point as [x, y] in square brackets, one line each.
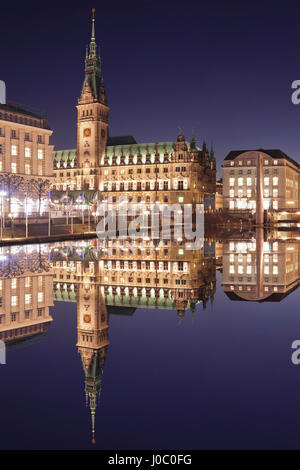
[39, 189]
[12, 184]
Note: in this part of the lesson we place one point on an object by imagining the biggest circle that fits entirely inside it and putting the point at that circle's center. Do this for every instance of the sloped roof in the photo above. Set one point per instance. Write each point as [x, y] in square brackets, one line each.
[274, 153]
[121, 140]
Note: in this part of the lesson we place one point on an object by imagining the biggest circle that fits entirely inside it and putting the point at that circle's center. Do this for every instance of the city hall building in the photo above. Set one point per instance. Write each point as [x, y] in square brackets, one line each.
[165, 172]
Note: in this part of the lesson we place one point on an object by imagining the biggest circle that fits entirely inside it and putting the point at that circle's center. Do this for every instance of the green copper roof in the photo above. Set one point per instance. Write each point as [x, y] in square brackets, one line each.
[64, 155]
[128, 149]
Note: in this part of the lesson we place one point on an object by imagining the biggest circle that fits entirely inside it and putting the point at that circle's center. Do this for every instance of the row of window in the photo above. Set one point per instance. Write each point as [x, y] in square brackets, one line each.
[14, 282]
[145, 185]
[27, 151]
[20, 119]
[250, 181]
[241, 270]
[28, 299]
[252, 162]
[27, 168]
[178, 169]
[249, 193]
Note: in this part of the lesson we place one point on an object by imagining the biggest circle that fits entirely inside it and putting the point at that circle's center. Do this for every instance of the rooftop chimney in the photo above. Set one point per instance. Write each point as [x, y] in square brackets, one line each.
[2, 92]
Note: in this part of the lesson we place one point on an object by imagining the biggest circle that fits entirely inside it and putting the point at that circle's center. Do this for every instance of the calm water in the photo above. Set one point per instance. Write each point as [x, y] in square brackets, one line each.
[204, 364]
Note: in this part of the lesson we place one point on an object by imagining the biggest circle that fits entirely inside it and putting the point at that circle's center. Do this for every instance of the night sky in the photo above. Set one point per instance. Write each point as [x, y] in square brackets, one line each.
[222, 68]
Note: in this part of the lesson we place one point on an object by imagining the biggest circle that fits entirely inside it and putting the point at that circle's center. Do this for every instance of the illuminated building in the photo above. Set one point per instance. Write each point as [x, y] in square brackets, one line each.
[168, 172]
[25, 152]
[260, 270]
[26, 293]
[166, 275]
[259, 180]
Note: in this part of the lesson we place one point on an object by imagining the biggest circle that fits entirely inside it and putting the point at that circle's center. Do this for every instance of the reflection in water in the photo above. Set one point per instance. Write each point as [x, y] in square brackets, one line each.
[26, 286]
[121, 276]
[260, 269]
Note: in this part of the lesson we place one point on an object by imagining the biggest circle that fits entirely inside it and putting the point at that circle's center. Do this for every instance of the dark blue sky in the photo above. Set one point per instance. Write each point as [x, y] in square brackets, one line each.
[222, 68]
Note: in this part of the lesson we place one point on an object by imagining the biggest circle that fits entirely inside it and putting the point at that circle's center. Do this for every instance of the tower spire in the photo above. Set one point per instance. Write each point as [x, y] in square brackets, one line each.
[93, 25]
[93, 39]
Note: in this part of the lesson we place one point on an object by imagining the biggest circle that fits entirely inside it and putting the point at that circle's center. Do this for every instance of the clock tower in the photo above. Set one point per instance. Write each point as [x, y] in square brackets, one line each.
[92, 119]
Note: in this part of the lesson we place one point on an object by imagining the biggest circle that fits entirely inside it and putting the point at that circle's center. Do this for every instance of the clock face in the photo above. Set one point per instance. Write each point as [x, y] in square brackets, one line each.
[87, 318]
[87, 132]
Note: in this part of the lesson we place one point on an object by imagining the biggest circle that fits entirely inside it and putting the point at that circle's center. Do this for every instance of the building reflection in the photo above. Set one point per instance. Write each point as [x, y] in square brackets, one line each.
[116, 277]
[260, 269]
[119, 276]
[140, 273]
[92, 334]
[26, 294]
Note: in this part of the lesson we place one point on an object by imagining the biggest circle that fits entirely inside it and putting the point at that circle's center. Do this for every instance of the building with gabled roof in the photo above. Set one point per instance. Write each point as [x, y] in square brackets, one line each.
[165, 172]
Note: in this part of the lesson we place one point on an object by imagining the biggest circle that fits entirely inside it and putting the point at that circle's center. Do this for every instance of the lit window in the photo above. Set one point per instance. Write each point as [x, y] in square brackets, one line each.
[27, 281]
[27, 299]
[1, 166]
[40, 296]
[231, 246]
[240, 269]
[231, 192]
[231, 269]
[240, 181]
[13, 283]
[275, 205]
[275, 181]
[27, 152]
[27, 169]
[249, 181]
[231, 204]
[40, 154]
[266, 181]
[14, 168]
[275, 162]
[14, 300]
[249, 193]
[14, 150]
[266, 162]
[266, 269]
[275, 269]
[231, 181]
[266, 193]
[249, 269]
[275, 192]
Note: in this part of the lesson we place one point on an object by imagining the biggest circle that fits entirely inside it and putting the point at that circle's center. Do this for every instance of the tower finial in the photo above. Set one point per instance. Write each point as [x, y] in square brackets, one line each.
[93, 25]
